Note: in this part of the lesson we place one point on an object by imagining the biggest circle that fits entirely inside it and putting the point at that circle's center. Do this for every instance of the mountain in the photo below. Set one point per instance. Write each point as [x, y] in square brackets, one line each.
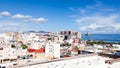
[32, 31]
[42, 32]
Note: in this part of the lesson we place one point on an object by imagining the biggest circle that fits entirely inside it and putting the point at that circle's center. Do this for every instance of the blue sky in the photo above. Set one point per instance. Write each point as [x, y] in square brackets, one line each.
[94, 16]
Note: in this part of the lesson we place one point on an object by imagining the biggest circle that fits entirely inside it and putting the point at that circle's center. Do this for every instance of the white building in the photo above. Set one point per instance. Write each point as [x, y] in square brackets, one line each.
[52, 49]
[116, 45]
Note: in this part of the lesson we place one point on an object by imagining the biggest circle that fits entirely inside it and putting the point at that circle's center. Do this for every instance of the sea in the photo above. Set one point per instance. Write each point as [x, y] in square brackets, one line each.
[102, 37]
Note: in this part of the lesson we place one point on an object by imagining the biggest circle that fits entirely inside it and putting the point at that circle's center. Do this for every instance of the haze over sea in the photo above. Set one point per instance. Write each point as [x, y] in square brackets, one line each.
[102, 37]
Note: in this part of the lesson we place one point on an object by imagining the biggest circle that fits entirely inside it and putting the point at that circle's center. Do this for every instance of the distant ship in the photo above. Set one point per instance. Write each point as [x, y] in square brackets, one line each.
[87, 34]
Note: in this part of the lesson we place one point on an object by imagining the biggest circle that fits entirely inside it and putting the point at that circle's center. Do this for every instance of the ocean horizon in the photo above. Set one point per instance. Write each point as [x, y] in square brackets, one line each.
[102, 37]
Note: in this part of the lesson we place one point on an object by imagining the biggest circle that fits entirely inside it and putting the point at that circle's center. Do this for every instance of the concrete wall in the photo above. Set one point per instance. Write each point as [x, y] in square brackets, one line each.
[83, 62]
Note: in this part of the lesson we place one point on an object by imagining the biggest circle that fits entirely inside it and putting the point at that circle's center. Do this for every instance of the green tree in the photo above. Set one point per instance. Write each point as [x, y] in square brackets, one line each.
[65, 44]
[24, 46]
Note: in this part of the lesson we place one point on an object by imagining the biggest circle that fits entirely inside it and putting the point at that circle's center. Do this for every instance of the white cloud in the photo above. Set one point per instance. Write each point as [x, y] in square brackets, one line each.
[39, 20]
[99, 23]
[98, 18]
[97, 8]
[28, 18]
[20, 16]
[3, 24]
[117, 26]
[5, 13]
[101, 28]
[91, 27]
[11, 26]
[24, 18]
[17, 22]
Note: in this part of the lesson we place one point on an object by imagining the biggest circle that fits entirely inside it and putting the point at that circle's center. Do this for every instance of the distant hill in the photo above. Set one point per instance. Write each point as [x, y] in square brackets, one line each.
[31, 31]
[42, 32]
[36, 31]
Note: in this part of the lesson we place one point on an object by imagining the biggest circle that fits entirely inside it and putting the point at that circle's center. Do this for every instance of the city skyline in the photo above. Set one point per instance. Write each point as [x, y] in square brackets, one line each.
[94, 16]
